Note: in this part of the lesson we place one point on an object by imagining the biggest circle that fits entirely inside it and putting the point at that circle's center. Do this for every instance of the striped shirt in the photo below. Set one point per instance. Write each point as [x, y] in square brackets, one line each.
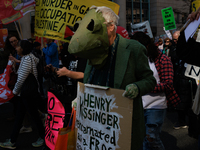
[28, 65]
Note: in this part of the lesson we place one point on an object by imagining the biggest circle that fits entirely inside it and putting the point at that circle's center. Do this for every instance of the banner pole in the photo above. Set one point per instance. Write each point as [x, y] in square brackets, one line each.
[42, 42]
[18, 31]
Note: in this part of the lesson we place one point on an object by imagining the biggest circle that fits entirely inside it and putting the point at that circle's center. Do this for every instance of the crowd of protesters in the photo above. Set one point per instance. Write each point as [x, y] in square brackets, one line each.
[160, 84]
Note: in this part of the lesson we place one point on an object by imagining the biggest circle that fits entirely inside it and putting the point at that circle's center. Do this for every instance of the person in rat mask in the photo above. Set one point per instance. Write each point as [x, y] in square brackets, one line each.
[114, 61]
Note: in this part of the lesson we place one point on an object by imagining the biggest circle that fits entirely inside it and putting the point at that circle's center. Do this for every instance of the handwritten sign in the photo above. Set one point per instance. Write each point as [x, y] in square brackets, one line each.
[54, 121]
[168, 18]
[52, 17]
[103, 118]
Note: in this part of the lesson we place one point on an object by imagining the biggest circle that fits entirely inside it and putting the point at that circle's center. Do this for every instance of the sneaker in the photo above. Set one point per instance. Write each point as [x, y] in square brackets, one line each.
[178, 126]
[8, 144]
[38, 143]
[25, 129]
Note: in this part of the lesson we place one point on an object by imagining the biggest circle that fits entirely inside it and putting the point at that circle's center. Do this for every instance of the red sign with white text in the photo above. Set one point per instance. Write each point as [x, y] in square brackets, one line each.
[5, 93]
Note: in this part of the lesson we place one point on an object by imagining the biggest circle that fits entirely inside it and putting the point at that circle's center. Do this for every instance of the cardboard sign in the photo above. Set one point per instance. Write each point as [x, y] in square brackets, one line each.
[3, 36]
[103, 118]
[52, 17]
[12, 10]
[192, 71]
[143, 26]
[54, 121]
[168, 18]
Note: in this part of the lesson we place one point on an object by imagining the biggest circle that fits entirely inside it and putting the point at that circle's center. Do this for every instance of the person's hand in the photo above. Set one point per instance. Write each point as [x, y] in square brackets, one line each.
[62, 72]
[12, 58]
[48, 68]
[193, 16]
[74, 103]
[131, 91]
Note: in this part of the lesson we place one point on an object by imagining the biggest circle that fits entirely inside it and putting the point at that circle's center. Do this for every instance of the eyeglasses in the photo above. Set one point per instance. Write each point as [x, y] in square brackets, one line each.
[167, 41]
[13, 41]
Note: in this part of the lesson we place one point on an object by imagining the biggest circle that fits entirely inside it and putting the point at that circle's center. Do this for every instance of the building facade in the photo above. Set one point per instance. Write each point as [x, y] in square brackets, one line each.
[142, 10]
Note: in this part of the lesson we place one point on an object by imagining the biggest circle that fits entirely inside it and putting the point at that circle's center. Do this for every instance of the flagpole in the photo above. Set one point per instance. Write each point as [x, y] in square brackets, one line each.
[18, 31]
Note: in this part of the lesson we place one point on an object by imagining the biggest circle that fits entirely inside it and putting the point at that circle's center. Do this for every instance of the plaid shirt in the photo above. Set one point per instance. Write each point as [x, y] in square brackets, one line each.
[165, 71]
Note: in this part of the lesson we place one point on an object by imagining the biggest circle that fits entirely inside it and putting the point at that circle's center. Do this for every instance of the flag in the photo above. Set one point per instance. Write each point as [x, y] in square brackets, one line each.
[68, 34]
[5, 93]
[12, 10]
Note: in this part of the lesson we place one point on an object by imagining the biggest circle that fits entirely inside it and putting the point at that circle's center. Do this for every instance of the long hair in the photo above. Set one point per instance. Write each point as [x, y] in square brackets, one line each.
[152, 50]
[8, 46]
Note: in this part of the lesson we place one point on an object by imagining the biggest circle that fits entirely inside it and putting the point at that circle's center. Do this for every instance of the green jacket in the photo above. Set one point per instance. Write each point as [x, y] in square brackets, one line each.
[132, 67]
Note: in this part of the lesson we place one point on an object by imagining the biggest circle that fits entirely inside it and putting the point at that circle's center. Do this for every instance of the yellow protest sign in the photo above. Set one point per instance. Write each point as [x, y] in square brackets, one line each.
[52, 16]
[195, 5]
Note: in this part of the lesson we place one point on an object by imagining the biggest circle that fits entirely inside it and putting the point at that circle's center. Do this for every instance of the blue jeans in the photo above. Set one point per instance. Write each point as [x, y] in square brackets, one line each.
[154, 119]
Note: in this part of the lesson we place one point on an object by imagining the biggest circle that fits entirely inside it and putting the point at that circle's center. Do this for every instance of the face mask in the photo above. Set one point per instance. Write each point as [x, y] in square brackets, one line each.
[90, 40]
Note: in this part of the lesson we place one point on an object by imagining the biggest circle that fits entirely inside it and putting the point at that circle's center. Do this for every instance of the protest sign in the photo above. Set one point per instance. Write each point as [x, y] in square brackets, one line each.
[12, 10]
[168, 18]
[192, 71]
[3, 36]
[195, 5]
[103, 118]
[143, 26]
[52, 17]
[5, 93]
[54, 121]
[168, 33]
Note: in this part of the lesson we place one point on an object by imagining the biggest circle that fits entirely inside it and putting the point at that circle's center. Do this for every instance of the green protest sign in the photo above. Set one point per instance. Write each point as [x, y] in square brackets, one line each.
[168, 18]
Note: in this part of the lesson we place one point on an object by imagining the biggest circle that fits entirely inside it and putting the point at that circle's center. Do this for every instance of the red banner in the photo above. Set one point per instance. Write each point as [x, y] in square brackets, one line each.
[12, 10]
[5, 93]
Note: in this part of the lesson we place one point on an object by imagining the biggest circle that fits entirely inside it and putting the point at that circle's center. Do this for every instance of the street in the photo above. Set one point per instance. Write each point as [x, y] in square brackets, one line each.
[172, 139]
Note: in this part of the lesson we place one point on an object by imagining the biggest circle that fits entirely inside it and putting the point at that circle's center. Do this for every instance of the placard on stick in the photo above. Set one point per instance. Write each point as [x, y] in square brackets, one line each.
[103, 118]
[168, 18]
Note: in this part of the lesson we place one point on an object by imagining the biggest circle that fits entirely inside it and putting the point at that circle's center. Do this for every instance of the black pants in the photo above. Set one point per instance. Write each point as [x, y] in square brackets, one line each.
[27, 104]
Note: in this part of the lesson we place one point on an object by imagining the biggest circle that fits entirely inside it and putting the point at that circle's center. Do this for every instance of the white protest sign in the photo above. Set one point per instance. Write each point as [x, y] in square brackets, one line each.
[191, 29]
[168, 33]
[192, 72]
[103, 119]
[142, 26]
